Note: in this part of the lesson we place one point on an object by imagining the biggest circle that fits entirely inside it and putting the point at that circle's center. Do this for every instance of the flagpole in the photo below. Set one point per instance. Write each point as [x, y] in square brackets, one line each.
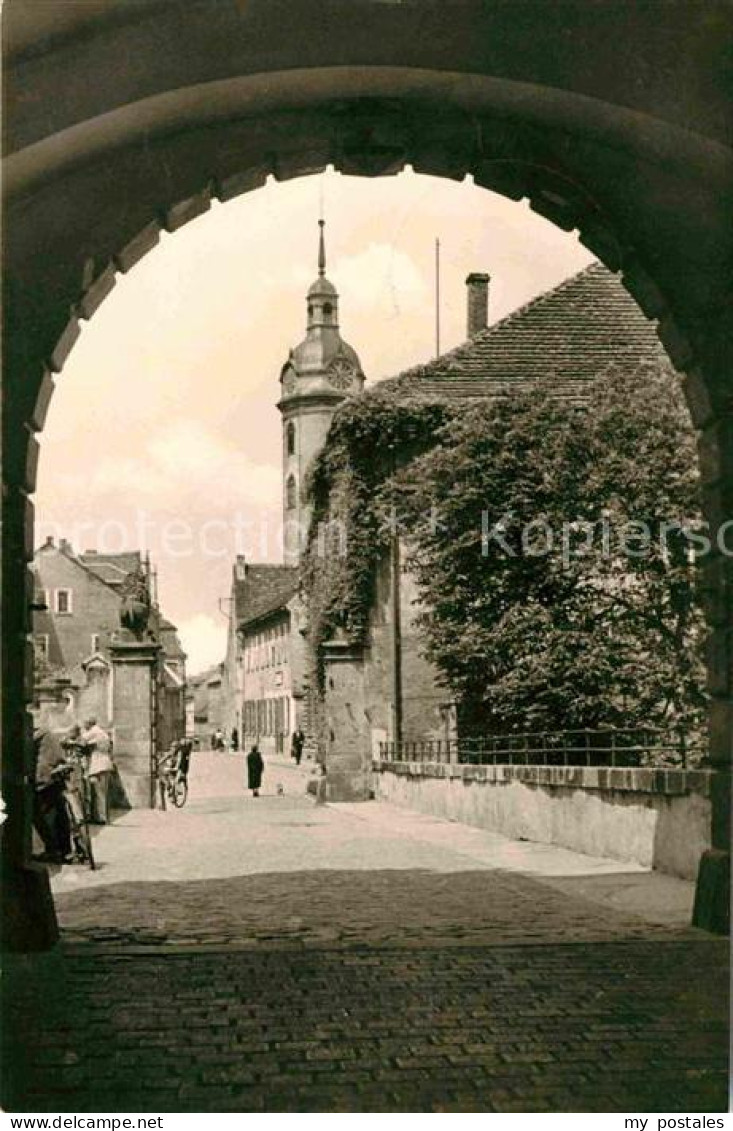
[437, 298]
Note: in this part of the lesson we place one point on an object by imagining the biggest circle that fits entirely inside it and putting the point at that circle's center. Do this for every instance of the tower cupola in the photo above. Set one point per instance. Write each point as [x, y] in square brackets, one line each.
[320, 372]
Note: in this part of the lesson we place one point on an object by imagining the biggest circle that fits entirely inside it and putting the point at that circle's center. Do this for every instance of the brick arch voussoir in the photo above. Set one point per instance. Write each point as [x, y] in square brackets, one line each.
[384, 150]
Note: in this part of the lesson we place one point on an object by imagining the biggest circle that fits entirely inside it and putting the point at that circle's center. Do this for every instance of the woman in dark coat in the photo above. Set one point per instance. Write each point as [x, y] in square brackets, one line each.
[255, 767]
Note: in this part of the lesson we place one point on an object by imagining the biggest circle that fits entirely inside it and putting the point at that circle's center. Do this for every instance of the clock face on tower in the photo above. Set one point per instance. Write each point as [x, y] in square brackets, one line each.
[341, 373]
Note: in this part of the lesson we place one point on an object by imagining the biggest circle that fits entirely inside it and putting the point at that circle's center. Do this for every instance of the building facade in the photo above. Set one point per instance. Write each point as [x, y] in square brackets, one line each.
[204, 705]
[76, 618]
[81, 605]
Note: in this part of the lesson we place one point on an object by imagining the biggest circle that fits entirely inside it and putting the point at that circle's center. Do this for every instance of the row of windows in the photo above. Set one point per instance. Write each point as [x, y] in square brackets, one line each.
[266, 649]
[41, 642]
[57, 600]
[267, 656]
[267, 717]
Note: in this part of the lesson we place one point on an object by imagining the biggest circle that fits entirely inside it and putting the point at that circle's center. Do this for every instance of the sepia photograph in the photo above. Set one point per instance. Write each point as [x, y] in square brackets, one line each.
[367, 560]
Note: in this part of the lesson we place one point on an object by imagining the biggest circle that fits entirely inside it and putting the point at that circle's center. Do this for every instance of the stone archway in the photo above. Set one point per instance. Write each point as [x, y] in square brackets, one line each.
[211, 99]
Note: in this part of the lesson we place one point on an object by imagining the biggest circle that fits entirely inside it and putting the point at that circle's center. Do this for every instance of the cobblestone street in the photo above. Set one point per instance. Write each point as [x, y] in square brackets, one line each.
[273, 954]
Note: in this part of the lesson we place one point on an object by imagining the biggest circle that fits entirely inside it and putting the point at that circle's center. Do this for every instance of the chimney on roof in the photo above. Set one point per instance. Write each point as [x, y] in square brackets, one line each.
[240, 568]
[65, 545]
[478, 303]
[49, 541]
[90, 552]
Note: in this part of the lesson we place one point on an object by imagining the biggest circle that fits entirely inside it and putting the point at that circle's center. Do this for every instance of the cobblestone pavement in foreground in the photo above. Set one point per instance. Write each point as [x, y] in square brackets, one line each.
[275, 955]
[636, 1026]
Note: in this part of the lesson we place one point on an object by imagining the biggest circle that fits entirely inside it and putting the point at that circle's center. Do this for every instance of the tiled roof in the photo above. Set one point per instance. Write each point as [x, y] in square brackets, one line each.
[112, 568]
[569, 336]
[263, 590]
[170, 639]
[171, 678]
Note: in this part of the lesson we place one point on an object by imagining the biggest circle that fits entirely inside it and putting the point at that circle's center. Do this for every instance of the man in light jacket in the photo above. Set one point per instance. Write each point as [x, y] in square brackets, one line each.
[99, 745]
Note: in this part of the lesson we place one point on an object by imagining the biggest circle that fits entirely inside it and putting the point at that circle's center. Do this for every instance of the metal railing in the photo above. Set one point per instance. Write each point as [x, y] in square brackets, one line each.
[612, 747]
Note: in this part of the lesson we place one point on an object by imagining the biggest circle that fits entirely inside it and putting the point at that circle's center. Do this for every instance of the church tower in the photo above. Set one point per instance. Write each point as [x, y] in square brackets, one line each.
[318, 375]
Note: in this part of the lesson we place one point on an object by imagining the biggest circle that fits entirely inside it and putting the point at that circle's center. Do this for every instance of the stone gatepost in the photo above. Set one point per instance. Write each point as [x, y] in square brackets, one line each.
[347, 739]
[134, 717]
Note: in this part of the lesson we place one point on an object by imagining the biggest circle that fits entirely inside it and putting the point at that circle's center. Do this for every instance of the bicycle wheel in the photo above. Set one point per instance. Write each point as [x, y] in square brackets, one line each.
[81, 841]
[180, 792]
[85, 845]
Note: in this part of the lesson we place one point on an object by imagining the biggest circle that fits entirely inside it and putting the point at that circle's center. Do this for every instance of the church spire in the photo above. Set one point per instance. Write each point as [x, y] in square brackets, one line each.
[322, 296]
[321, 249]
[320, 373]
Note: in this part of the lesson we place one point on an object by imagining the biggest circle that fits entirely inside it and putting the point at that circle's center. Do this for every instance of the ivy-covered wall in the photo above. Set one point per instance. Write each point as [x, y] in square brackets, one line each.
[349, 487]
[346, 569]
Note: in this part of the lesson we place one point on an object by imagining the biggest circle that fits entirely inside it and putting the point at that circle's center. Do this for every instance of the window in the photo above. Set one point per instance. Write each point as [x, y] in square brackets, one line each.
[64, 602]
[290, 443]
[40, 643]
[290, 493]
[97, 643]
[41, 598]
[327, 308]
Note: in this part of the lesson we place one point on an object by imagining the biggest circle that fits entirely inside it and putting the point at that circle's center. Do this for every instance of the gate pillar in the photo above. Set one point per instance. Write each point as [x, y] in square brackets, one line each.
[134, 718]
[347, 751]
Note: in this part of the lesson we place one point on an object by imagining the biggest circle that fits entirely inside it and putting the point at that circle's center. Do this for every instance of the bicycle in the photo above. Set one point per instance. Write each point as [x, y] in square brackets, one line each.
[77, 801]
[172, 774]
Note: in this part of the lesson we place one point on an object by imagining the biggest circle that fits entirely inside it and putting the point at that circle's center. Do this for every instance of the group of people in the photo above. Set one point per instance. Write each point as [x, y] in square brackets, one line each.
[87, 750]
[219, 741]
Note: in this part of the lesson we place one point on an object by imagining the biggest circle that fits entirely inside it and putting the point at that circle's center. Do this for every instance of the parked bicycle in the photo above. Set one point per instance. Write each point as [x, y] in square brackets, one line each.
[172, 774]
[77, 800]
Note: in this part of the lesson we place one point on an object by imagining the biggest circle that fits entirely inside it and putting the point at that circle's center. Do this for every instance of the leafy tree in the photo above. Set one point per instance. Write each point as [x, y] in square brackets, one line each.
[556, 593]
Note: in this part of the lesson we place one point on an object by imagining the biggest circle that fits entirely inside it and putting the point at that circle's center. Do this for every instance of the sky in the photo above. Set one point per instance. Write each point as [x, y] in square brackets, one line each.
[163, 434]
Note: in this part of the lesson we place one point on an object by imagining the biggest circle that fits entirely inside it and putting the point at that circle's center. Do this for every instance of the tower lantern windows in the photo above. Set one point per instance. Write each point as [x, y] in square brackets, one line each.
[290, 439]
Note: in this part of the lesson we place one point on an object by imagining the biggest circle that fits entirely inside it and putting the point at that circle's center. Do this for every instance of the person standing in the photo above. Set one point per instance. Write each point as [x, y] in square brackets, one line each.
[235, 739]
[298, 742]
[49, 809]
[255, 768]
[99, 745]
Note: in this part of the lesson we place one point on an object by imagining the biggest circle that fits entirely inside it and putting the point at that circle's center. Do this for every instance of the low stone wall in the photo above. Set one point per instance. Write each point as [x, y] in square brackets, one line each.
[656, 818]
